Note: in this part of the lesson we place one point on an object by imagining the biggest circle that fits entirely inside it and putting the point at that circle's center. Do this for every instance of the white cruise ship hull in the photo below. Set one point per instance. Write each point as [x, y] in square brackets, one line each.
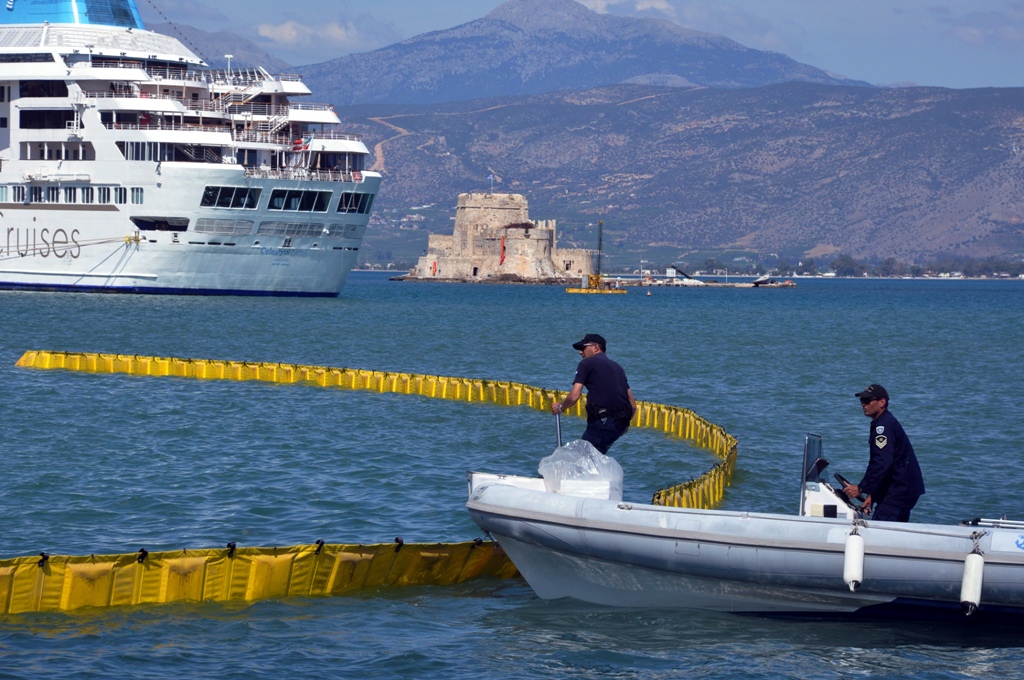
[127, 165]
[53, 247]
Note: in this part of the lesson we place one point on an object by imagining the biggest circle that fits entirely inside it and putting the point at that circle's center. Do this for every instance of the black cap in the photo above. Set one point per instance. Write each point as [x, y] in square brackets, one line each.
[873, 392]
[589, 339]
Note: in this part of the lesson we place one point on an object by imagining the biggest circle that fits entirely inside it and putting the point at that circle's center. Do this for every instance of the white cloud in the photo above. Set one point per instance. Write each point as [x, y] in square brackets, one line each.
[998, 28]
[658, 6]
[293, 34]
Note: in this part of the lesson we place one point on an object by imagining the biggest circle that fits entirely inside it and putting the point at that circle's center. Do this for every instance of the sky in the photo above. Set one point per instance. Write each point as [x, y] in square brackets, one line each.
[948, 43]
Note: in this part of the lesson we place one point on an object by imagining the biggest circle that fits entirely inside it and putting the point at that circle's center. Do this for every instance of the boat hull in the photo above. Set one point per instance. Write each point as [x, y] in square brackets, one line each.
[633, 555]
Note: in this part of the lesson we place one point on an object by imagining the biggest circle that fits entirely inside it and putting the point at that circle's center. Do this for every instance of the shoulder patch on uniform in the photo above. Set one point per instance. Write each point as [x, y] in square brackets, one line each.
[880, 441]
[879, 429]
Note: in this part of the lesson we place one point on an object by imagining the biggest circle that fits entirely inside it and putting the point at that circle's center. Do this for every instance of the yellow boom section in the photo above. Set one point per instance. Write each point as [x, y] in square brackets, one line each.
[62, 583]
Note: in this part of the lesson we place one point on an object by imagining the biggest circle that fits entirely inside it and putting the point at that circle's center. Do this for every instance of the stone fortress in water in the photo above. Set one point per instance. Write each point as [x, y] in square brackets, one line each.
[494, 240]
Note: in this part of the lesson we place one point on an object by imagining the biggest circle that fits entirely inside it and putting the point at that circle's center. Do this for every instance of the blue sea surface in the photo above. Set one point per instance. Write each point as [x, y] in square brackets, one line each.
[114, 463]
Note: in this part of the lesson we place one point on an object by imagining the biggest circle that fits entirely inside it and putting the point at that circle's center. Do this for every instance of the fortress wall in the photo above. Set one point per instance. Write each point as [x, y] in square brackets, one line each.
[484, 244]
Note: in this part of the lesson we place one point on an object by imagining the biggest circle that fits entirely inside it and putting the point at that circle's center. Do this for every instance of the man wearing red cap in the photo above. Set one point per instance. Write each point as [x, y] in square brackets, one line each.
[610, 402]
[893, 480]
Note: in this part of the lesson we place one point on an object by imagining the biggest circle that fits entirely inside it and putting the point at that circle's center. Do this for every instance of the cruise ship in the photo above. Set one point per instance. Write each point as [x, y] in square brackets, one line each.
[128, 165]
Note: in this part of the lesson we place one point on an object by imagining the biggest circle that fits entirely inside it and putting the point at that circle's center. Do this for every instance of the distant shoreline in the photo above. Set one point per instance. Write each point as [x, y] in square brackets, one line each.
[660, 277]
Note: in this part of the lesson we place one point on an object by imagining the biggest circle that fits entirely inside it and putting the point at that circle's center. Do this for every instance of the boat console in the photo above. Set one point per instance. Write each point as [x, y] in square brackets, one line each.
[818, 498]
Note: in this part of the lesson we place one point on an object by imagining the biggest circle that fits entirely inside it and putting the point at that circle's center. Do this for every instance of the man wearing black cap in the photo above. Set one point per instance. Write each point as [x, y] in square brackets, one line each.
[893, 479]
[610, 402]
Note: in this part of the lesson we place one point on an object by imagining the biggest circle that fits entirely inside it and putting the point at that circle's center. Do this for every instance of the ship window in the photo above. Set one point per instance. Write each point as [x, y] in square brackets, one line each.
[209, 197]
[277, 200]
[3, 194]
[35, 194]
[42, 88]
[87, 195]
[299, 201]
[137, 195]
[3, 121]
[355, 203]
[146, 151]
[45, 119]
[120, 195]
[307, 200]
[71, 194]
[53, 194]
[19, 194]
[230, 197]
[104, 194]
[246, 198]
[26, 57]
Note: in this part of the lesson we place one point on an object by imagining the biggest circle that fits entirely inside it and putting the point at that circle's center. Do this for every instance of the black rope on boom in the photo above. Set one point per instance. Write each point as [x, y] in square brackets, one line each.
[142, 555]
[231, 549]
[319, 546]
[476, 541]
[43, 559]
[399, 543]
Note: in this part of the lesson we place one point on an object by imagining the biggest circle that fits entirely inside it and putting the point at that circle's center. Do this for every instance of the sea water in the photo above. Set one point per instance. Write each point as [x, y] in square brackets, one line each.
[114, 463]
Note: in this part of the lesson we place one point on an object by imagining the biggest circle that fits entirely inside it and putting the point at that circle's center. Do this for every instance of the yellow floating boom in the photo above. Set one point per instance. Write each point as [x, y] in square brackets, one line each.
[62, 583]
[704, 492]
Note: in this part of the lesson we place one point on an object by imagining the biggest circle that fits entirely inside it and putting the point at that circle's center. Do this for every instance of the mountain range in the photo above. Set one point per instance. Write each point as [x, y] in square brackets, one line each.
[680, 141]
[796, 170]
[526, 47]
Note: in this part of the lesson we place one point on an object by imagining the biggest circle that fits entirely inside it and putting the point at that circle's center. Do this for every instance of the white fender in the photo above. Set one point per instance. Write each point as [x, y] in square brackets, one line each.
[853, 564]
[970, 588]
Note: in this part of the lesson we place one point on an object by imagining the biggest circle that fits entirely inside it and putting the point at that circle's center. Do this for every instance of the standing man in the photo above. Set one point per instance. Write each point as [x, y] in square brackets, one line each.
[610, 402]
[893, 479]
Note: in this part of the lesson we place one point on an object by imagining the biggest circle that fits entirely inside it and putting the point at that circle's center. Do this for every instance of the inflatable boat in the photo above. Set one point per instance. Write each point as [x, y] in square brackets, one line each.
[576, 542]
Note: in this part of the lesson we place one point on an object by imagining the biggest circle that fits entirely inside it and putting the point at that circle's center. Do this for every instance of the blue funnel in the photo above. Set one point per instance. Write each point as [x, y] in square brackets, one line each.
[122, 13]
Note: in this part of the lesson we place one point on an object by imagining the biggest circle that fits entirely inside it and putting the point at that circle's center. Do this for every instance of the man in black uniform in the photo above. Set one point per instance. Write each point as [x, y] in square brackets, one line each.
[893, 479]
[610, 402]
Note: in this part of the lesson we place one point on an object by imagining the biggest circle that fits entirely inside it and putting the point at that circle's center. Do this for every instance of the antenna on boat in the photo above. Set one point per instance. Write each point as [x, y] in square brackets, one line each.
[600, 235]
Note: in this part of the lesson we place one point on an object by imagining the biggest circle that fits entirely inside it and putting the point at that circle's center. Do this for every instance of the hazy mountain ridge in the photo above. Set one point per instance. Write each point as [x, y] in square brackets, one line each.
[211, 47]
[793, 169]
[532, 46]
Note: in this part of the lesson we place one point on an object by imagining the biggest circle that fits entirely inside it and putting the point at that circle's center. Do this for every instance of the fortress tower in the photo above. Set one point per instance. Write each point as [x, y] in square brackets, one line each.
[494, 236]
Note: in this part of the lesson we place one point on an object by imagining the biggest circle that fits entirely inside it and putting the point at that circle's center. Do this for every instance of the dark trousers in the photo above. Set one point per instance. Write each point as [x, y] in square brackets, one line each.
[602, 432]
[892, 512]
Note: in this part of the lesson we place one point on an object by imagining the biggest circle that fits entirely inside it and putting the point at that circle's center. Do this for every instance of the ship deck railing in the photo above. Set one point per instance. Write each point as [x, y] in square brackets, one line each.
[250, 136]
[207, 106]
[242, 77]
[177, 127]
[309, 174]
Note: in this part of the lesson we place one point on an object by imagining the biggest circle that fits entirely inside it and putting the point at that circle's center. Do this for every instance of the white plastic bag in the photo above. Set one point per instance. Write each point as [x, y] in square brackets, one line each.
[578, 469]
